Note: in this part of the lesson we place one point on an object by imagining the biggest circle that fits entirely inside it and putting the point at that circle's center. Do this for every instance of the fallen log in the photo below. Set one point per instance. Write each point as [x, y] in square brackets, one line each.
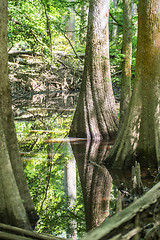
[124, 225]
[13, 233]
[14, 54]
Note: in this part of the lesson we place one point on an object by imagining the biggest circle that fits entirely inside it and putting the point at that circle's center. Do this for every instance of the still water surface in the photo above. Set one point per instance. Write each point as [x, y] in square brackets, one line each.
[71, 189]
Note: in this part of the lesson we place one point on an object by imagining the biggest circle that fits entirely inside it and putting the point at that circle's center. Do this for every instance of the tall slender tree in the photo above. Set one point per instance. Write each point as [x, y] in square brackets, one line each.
[114, 30]
[127, 59]
[96, 116]
[70, 25]
[16, 206]
[139, 137]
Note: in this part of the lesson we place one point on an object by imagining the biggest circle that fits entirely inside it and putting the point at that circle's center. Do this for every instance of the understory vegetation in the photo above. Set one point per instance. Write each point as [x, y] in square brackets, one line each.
[45, 152]
[43, 52]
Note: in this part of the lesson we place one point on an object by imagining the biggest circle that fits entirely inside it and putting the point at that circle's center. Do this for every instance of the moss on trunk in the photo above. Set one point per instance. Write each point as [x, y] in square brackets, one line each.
[139, 137]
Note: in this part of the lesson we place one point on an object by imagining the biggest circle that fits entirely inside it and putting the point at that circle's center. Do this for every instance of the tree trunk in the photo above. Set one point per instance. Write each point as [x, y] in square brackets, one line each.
[96, 116]
[83, 22]
[127, 61]
[10, 154]
[70, 25]
[139, 137]
[114, 28]
[11, 207]
[95, 180]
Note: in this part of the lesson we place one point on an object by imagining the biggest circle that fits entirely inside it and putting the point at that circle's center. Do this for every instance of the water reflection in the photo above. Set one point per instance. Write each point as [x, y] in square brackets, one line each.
[124, 181]
[55, 169]
[54, 99]
[95, 180]
[71, 194]
[55, 188]
[48, 160]
[123, 178]
[50, 166]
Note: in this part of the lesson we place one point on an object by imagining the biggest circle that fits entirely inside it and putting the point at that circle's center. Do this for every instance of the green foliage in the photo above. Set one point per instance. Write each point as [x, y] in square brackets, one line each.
[45, 155]
[40, 24]
[116, 56]
[113, 201]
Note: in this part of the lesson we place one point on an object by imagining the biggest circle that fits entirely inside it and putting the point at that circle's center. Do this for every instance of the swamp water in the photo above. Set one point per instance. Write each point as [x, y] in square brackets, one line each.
[67, 181]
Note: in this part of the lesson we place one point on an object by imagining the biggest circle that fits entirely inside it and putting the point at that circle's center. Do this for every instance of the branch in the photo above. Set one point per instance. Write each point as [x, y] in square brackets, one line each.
[114, 74]
[48, 29]
[72, 46]
[63, 33]
[119, 24]
[19, 23]
[50, 165]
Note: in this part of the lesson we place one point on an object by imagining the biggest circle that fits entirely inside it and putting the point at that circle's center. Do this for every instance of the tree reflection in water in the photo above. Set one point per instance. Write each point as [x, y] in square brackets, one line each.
[95, 180]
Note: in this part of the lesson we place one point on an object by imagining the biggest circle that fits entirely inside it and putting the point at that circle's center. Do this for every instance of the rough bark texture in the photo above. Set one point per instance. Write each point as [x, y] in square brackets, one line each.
[10, 153]
[95, 180]
[96, 116]
[127, 61]
[139, 137]
[11, 207]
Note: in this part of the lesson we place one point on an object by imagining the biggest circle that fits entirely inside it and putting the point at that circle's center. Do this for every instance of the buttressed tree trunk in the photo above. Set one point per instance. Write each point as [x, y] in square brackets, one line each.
[13, 187]
[139, 137]
[96, 116]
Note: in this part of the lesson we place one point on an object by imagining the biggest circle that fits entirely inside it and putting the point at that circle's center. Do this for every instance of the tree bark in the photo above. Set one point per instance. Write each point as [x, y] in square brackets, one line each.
[96, 116]
[127, 59]
[9, 145]
[139, 137]
[11, 207]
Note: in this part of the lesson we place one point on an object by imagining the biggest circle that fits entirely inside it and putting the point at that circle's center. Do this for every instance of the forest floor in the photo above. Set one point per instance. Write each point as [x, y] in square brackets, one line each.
[31, 75]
